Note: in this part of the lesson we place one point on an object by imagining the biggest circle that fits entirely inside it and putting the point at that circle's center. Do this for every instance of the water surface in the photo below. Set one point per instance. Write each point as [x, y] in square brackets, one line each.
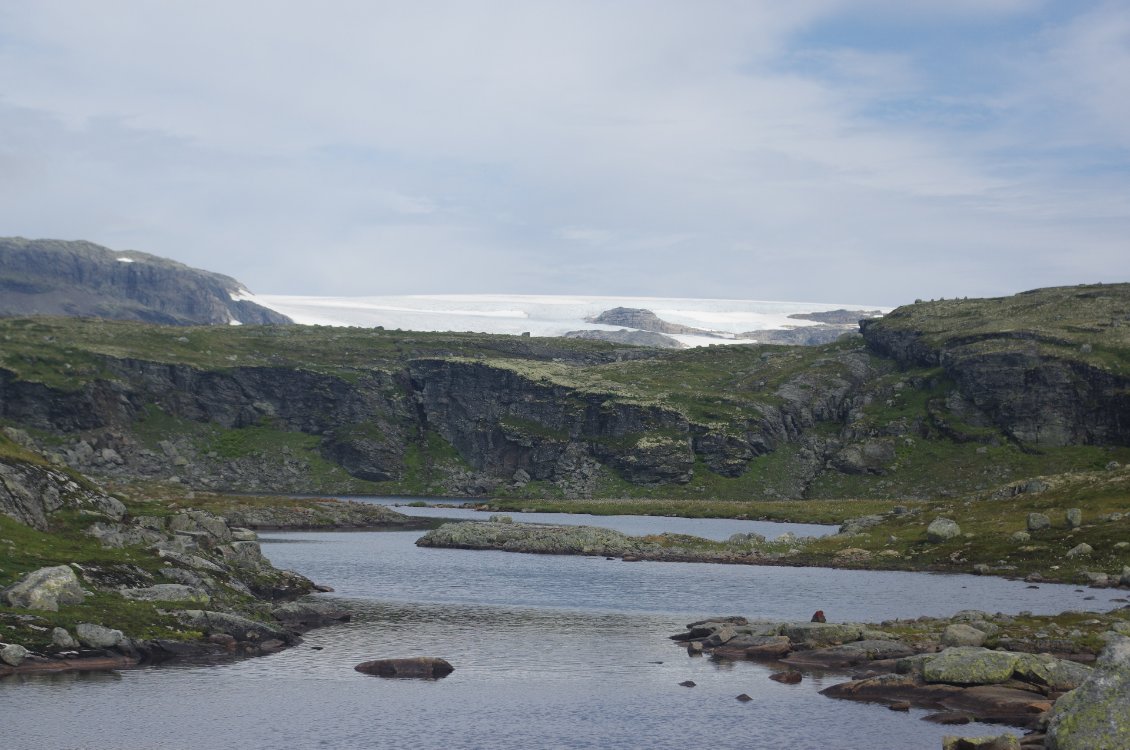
[550, 652]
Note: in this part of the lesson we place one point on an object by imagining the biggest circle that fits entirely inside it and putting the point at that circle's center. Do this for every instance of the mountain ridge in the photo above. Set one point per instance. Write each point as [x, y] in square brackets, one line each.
[83, 279]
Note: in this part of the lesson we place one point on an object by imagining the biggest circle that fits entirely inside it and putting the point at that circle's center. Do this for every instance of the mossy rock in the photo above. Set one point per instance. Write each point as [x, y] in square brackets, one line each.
[970, 666]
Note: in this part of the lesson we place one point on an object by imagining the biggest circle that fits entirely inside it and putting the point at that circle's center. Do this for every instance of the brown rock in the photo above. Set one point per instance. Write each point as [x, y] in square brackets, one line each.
[687, 683]
[900, 706]
[744, 698]
[426, 667]
[788, 677]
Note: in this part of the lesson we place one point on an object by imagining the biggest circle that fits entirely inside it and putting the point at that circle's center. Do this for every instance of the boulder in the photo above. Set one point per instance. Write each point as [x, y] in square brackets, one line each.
[12, 654]
[1094, 715]
[62, 639]
[960, 634]
[815, 634]
[1080, 550]
[99, 636]
[970, 666]
[425, 667]
[46, 588]
[1125, 578]
[1038, 522]
[942, 529]
[1059, 675]
[1074, 518]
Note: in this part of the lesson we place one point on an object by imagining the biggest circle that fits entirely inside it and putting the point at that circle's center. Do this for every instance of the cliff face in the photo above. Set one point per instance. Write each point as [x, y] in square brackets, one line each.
[81, 279]
[1048, 367]
[938, 397]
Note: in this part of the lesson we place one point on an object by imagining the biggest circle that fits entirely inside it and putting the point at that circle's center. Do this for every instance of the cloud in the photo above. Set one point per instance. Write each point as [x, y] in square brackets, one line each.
[815, 149]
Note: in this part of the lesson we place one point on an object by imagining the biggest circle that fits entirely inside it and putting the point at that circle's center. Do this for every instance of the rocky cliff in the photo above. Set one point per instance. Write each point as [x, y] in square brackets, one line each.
[81, 279]
[938, 398]
[1048, 367]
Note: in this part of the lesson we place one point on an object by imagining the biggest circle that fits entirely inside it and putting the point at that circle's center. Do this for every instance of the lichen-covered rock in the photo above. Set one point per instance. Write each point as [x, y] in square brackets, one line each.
[1094, 715]
[1059, 675]
[1074, 518]
[46, 589]
[62, 639]
[960, 634]
[1080, 550]
[970, 666]
[1038, 522]
[12, 654]
[822, 633]
[167, 592]
[942, 529]
[98, 636]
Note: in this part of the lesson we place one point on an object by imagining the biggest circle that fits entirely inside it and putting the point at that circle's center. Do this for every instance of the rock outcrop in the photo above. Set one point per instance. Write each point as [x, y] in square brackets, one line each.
[644, 320]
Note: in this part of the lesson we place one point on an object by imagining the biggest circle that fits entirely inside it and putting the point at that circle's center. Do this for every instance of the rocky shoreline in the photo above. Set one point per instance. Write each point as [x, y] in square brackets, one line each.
[93, 583]
[224, 636]
[502, 533]
[965, 668]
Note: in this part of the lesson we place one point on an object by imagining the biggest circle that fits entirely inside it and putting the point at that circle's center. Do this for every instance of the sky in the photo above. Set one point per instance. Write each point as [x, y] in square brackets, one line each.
[858, 150]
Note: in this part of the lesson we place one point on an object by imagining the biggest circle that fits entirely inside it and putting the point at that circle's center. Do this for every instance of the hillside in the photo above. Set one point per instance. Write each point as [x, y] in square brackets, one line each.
[936, 399]
[81, 279]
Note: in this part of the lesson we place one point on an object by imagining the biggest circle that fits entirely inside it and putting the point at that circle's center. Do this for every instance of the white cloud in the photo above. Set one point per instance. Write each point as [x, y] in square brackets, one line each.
[549, 146]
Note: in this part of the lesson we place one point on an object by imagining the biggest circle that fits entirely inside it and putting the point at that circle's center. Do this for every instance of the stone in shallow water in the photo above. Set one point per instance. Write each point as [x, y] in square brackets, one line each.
[426, 667]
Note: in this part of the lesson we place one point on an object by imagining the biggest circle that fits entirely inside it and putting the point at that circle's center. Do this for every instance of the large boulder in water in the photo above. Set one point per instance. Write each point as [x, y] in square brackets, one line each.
[46, 588]
[427, 667]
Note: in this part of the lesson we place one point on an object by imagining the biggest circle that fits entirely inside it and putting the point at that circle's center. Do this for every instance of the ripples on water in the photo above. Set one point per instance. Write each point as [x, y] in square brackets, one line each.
[550, 652]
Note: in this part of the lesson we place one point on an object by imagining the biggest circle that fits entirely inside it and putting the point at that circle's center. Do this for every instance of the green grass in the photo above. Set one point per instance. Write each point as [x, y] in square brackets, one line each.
[988, 520]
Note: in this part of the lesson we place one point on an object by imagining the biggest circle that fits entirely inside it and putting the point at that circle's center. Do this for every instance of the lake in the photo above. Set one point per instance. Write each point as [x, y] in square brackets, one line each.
[549, 652]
